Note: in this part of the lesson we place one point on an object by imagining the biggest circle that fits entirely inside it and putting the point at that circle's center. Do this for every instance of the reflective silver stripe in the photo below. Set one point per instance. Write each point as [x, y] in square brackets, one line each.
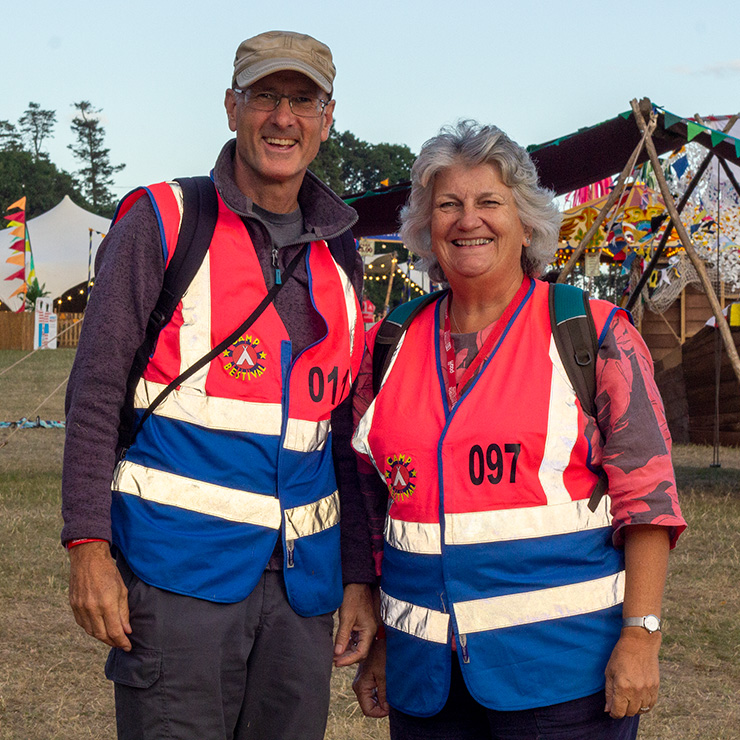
[195, 332]
[350, 304]
[498, 612]
[360, 439]
[520, 524]
[177, 192]
[416, 537]
[562, 432]
[481, 527]
[229, 414]
[193, 495]
[302, 521]
[306, 436]
[426, 624]
[212, 412]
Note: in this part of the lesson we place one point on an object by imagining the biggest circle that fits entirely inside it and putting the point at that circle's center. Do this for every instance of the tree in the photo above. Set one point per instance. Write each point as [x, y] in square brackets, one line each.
[36, 125]
[39, 180]
[96, 176]
[10, 138]
[348, 164]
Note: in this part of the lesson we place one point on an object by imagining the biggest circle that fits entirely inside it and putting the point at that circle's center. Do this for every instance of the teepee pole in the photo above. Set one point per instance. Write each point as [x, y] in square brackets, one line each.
[610, 201]
[683, 235]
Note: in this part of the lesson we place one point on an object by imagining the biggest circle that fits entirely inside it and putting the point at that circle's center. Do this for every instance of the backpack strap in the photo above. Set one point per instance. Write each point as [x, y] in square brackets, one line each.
[575, 337]
[390, 332]
[199, 215]
[344, 250]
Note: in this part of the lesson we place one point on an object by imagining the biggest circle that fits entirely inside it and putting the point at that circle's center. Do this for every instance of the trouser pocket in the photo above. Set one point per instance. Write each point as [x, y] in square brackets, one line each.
[139, 669]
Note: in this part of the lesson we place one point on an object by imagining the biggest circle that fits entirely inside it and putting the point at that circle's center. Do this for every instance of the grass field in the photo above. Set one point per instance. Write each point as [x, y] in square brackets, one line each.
[51, 681]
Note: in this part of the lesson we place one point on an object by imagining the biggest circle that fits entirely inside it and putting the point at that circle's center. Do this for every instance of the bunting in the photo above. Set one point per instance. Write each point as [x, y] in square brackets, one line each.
[20, 248]
[693, 129]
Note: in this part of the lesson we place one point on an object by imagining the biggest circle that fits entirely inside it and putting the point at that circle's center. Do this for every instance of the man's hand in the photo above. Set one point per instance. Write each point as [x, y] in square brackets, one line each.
[369, 683]
[357, 625]
[97, 594]
[632, 674]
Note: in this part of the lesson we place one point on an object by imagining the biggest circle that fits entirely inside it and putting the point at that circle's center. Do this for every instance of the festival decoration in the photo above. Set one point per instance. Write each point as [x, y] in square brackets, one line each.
[638, 220]
[21, 248]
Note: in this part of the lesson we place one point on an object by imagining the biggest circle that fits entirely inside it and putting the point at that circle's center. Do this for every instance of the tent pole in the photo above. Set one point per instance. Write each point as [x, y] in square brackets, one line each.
[611, 200]
[635, 295]
[724, 329]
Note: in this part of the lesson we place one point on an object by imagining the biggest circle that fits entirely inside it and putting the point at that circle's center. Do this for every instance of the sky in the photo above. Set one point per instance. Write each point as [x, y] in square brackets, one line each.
[158, 68]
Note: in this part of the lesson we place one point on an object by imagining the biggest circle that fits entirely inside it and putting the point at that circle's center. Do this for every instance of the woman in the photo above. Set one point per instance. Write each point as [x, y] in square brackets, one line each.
[503, 596]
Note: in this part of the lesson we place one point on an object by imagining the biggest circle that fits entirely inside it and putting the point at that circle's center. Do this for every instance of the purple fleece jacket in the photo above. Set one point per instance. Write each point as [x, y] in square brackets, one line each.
[128, 280]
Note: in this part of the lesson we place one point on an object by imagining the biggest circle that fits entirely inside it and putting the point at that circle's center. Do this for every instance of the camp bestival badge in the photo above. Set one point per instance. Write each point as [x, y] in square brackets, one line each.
[245, 359]
[400, 477]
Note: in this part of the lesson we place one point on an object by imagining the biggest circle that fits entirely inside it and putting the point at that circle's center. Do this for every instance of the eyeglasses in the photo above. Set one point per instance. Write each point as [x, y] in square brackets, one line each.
[304, 106]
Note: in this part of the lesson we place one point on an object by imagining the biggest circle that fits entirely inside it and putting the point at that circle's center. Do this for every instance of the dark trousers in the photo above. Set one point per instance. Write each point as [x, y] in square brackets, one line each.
[463, 718]
[198, 670]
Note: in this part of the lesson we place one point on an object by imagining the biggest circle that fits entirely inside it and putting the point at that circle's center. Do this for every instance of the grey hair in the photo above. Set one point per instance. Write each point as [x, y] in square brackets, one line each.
[472, 143]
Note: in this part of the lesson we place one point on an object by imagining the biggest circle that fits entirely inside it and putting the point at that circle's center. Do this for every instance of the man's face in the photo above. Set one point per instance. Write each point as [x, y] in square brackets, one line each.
[276, 147]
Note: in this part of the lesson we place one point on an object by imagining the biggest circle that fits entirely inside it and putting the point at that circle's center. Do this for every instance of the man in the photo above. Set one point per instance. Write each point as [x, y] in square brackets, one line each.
[223, 514]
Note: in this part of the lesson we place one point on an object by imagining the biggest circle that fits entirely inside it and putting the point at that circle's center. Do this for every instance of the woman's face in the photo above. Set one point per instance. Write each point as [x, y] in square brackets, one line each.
[476, 231]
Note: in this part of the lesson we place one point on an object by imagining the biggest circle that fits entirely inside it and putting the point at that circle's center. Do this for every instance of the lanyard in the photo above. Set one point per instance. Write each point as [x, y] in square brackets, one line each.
[452, 386]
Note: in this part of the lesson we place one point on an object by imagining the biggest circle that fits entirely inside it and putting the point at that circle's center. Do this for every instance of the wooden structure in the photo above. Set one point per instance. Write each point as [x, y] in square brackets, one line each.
[16, 330]
[665, 332]
[711, 405]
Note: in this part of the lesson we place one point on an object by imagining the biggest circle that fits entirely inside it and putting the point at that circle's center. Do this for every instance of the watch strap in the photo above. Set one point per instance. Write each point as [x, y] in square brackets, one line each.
[643, 622]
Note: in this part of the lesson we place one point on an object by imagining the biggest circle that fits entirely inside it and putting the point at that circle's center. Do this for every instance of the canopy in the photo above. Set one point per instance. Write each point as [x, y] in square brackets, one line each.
[60, 243]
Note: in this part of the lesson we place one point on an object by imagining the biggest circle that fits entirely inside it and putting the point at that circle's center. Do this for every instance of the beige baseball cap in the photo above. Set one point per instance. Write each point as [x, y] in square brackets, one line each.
[275, 51]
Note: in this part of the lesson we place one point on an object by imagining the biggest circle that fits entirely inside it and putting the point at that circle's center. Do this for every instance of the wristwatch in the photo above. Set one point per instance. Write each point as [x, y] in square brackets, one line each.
[650, 622]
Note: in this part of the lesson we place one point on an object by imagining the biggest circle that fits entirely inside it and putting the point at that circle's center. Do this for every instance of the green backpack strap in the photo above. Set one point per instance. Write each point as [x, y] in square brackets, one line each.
[575, 337]
[390, 332]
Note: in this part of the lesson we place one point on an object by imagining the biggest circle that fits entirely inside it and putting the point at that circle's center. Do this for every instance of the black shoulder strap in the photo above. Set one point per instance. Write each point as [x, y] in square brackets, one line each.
[200, 211]
[347, 251]
[391, 329]
[575, 337]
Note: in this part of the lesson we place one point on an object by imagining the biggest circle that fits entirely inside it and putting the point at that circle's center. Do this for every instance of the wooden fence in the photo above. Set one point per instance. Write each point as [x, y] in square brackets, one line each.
[16, 330]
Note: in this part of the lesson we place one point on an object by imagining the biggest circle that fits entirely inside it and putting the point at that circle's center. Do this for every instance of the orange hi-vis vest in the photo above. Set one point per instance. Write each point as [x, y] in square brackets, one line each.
[488, 535]
[242, 449]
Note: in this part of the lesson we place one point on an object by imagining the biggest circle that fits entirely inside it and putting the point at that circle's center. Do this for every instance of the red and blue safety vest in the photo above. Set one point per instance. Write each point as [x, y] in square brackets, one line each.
[242, 449]
[488, 535]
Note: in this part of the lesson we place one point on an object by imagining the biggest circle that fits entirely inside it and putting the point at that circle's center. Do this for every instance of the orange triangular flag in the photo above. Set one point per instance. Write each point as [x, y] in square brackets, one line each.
[17, 259]
[22, 289]
[19, 231]
[386, 182]
[20, 203]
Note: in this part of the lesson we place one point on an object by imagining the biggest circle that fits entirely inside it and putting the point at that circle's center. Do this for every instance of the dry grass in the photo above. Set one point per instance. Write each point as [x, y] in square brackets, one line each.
[51, 681]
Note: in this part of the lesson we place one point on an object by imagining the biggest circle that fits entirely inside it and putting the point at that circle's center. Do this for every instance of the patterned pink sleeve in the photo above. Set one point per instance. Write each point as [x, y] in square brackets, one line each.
[636, 453]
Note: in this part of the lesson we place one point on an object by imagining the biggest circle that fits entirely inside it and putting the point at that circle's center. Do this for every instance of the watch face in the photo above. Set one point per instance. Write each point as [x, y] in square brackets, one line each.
[652, 623]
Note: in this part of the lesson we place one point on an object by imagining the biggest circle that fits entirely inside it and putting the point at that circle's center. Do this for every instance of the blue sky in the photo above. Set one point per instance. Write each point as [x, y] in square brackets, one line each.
[159, 68]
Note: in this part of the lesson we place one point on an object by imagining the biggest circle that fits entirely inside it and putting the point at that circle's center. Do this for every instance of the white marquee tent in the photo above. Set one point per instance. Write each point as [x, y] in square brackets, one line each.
[60, 242]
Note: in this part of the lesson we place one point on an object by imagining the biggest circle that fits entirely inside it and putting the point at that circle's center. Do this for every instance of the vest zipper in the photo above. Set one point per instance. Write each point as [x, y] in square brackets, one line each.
[462, 641]
[276, 265]
[290, 547]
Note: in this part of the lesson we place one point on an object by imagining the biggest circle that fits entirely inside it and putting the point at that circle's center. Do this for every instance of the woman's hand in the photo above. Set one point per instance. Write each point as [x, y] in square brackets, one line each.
[632, 674]
[369, 683]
